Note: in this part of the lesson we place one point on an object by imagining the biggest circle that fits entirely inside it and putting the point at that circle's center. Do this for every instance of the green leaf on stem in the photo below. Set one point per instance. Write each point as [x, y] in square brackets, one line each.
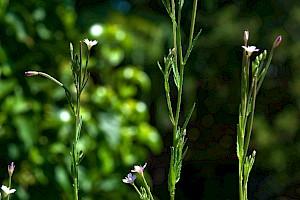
[191, 46]
[167, 7]
[188, 117]
[248, 166]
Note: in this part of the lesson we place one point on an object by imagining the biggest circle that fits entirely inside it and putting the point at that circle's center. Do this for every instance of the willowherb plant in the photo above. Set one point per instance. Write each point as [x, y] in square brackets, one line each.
[252, 77]
[80, 78]
[175, 64]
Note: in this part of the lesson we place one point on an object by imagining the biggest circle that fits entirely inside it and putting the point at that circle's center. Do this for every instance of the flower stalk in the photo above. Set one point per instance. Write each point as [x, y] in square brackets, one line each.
[251, 79]
[175, 62]
[144, 193]
[80, 78]
[7, 190]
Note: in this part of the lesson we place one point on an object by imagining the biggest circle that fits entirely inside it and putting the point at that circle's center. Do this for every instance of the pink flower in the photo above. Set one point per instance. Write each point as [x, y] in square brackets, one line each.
[139, 169]
[250, 49]
[129, 179]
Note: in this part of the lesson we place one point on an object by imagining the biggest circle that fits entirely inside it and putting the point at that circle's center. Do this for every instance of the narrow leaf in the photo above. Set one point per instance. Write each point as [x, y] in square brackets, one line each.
[160, 68]
[188, 117]
[167, 7]
[191, 46]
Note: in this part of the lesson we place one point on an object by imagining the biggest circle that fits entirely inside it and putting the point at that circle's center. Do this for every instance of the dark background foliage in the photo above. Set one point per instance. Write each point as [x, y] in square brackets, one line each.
[124, 109]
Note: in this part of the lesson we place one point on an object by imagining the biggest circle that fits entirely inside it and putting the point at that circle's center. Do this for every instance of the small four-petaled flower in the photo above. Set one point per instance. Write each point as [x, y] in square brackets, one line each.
[139, 169]
[89, 43]
[6, 190]
[129, 179]
[250, 49]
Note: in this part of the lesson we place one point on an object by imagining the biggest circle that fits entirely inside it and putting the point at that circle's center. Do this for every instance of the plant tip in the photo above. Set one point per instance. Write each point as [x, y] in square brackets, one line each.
[246, 36]
[277, 41]
[31, 73]
[11, 168]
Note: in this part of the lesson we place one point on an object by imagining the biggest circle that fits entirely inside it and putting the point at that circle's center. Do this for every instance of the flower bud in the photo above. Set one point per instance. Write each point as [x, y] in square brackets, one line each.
[31, 73]
[71, 46]
[277, 41]
[11, 168]
[246, 36]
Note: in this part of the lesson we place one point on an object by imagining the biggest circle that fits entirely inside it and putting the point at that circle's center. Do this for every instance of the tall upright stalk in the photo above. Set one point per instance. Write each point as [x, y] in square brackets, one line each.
[80, 78]
[252, 77]
[175, 63]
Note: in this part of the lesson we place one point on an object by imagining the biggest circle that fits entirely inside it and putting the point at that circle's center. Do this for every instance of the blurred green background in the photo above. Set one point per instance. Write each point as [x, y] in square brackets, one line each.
[124, 109]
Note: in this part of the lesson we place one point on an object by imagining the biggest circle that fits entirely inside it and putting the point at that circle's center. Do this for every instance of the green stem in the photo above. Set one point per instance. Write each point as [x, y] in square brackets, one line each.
[75, 157]
[241, 179]
[266, 69]
[243, 122]
[174, 32]
[193, 22]
[250, 124]
[9, 185]
[245, 89]
[167, 90]
[75, 151]
[147, 188]
[171, 172]
[136, 189]
[51, 78]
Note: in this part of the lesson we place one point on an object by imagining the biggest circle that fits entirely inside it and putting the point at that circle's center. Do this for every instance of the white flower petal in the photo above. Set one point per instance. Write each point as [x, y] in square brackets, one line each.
[89, 43]
[250, 49]
[7, 191]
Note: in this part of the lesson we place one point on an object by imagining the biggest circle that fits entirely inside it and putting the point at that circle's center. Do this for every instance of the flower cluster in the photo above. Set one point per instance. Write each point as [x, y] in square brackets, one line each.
[137, 168]
[144, 192]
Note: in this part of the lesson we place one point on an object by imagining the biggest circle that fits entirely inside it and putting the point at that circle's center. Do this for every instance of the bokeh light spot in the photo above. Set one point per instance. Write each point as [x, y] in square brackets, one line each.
[96, 30]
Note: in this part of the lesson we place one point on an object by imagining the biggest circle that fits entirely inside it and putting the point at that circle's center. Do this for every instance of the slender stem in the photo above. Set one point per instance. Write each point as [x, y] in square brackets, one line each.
[174, 33]
[75, 156]
[266, 69]
[51, 78]
[249, 125]
[181, 74]
[85, 70]
[167, 90]
[136, 189]
[193, 22]
[74, 148]
[245, 86]
[243, 122]
[9, 185]
[147, 188]
[172, 172]
[245, 191]
[241, 179]
[178, 39]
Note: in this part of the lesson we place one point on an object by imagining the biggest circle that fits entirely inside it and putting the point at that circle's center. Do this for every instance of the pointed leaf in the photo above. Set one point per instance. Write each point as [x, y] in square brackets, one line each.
[191, 47]
[188, 117]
